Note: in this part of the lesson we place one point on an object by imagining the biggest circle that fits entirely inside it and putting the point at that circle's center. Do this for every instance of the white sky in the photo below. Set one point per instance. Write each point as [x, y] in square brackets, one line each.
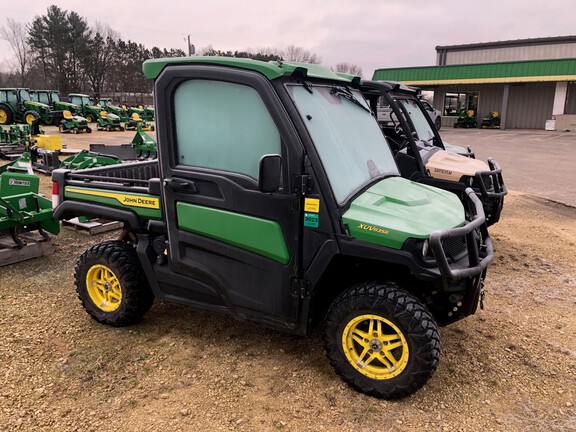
[369, 33]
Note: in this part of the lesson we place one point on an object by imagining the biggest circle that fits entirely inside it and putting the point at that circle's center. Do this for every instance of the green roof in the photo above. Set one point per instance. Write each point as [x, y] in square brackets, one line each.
[485, 73]
[271, 70]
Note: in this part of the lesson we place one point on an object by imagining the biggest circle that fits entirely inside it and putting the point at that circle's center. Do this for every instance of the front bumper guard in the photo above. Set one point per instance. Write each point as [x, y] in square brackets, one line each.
[478, 257]
[495, 174]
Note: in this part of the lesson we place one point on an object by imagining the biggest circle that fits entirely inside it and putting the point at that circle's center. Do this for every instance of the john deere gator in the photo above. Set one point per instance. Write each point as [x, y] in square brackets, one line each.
[275, 199]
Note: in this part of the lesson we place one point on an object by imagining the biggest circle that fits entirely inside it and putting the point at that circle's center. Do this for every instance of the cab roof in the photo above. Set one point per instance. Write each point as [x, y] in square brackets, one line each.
[271, 70]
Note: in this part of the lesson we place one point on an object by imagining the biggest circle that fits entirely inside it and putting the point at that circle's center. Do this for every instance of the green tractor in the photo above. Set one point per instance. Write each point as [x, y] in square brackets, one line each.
[52, 99]
[87, 108]
[109, 107]
[17, 106]
[73, 123]
[491, 121]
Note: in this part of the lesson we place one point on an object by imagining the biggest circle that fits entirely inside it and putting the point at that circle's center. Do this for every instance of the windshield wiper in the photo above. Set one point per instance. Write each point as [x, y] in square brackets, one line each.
[339, 91]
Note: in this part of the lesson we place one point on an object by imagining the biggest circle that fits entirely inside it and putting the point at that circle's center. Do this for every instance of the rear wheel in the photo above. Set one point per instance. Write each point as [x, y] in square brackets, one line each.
[89, 118]
[111, 285]
[62, 128]
[382, 341]
[438, 123]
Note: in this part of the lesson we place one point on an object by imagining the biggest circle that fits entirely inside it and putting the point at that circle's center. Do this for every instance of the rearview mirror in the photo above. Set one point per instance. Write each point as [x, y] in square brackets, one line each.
[270, 171]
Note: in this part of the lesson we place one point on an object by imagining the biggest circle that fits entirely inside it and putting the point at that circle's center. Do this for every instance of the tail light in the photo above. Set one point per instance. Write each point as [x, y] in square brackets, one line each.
[55, 195]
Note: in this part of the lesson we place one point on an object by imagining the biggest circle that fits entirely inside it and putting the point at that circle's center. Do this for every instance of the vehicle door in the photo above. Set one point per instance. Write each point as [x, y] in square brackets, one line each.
[238, 245]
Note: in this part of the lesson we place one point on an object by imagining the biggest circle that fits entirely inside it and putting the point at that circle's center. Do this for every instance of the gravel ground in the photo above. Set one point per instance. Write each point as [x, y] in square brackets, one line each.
[511, 367]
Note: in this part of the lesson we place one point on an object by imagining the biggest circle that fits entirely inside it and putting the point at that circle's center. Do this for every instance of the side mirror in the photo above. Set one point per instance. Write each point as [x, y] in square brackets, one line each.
[270, 173]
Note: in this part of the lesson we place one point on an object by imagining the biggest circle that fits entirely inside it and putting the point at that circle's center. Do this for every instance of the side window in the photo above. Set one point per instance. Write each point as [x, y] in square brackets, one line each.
[223, 126]
[12, 97]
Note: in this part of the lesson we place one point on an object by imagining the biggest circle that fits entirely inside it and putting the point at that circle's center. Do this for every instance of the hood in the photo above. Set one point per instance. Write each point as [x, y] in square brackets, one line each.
[449, 166]
[396, 209]
[38, 104]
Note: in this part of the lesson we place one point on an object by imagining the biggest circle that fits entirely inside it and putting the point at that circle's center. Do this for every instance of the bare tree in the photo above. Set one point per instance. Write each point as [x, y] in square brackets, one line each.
[299, 54]
[16, 34]
[348, 68]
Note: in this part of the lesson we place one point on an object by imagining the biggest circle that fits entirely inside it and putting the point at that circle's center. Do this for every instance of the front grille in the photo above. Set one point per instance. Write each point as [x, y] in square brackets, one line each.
[454, 247]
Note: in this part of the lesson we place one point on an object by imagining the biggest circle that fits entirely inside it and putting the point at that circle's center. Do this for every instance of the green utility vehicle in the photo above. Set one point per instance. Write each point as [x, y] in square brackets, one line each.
[52, 99]
[17, 106]
[420, 153]
[85, 103]
[276, 199]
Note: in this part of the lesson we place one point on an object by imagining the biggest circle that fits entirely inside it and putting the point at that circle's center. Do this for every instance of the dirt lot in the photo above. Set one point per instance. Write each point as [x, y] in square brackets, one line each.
[510, 367]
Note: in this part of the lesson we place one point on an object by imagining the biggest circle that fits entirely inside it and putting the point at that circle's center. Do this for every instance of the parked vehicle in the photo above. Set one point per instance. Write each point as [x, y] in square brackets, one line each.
[383, 111]
[88, 109]
[17, 106]
[73, 123]
[108, 106]
[52, 99]
[419, 150]
[276, 199]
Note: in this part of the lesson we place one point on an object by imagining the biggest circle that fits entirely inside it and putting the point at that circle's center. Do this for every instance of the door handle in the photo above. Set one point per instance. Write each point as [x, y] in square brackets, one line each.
[177, 184]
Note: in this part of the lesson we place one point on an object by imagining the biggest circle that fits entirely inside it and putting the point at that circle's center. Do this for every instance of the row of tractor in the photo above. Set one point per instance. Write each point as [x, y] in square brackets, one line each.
[21, 105]
[280, 172]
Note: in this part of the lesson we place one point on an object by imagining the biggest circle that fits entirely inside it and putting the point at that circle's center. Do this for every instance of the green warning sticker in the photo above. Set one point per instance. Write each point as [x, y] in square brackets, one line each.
[311, 220]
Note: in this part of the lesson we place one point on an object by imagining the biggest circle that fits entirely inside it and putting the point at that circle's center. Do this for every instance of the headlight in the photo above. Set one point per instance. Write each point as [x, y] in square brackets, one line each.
[425, 247]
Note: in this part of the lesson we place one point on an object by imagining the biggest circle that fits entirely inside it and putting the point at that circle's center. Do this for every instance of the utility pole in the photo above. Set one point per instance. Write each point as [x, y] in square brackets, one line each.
[191, 48]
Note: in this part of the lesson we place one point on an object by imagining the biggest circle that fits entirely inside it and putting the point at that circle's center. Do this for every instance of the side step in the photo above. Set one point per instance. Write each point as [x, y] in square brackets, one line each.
[34, 246]
[92, 226]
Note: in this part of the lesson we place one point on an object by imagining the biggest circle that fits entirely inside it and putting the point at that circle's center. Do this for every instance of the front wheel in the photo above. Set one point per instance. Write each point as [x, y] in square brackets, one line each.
[438, 123]
[111, 285]
[381, 340]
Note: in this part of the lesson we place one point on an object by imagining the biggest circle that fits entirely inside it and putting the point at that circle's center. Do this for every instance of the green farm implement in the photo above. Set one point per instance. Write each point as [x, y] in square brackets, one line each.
[88, 159]
[25, 215]
[141, 147]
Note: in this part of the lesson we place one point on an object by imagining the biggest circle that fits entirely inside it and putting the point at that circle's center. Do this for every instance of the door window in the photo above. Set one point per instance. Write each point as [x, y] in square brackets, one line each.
[223, 126]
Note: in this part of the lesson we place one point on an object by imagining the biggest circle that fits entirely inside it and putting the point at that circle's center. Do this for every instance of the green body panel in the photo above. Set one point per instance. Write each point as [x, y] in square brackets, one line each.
[396, 209]
[511, 70]
[23, 212]
[15, 183]
[144, 205]
[271, 70]
[261, 236]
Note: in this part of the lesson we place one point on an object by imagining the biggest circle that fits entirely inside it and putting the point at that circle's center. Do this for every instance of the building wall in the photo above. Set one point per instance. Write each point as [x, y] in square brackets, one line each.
[530, 105]
[571, 99]
[508, 54]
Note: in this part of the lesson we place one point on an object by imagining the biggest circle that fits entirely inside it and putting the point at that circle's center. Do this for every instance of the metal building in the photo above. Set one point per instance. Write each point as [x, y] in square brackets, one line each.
[527, 81]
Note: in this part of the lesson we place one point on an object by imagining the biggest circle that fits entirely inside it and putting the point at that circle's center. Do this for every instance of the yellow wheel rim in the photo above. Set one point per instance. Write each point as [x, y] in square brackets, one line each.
[103, 288]
[375, 347]
[30, 119]
[3, 116]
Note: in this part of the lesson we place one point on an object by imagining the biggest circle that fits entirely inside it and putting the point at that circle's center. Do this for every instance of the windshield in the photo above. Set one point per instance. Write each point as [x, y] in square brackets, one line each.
[419, 119]
[55, 97]
[348, 139]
